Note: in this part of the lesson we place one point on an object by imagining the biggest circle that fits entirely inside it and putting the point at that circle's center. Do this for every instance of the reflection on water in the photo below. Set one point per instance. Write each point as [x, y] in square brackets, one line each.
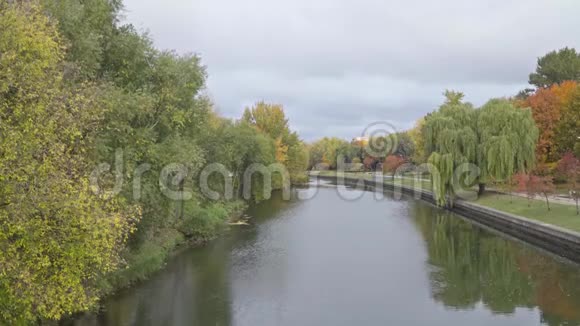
[471, 266]
[326, 261]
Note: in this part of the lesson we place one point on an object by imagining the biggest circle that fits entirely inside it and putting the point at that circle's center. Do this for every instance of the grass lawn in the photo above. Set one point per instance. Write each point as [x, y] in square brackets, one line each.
[560, 215]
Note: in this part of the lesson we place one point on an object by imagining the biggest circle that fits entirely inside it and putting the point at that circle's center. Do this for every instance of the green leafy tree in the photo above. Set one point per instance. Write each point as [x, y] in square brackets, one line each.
[86, 27]
[499, 139]
[128, 59]
[268, 118]
[271, 120]
[327, 151]
[418, 139]
[237, 145]
[57, 239]
[567, 134]
[556, 67]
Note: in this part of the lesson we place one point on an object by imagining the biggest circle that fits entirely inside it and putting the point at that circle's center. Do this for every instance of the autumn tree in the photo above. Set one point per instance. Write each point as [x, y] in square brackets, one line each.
[556, 67]
[370, 163]
[76, 87]
[498, 138]
[528, 184]
[271, 120]
[268, 118]
[417, 137]
[57, 239]
[329, 150]
[392, 163]
[567, 136]
[547, 105]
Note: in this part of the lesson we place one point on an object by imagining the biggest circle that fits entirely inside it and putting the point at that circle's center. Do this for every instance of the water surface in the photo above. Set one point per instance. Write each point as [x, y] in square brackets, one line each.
[330, 261]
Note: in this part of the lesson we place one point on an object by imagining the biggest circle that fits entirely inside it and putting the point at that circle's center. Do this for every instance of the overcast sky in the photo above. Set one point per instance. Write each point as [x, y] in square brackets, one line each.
[338, 65]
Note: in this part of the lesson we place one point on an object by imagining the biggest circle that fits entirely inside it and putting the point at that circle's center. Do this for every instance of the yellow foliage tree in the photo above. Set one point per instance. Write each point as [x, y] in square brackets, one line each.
[57, 239]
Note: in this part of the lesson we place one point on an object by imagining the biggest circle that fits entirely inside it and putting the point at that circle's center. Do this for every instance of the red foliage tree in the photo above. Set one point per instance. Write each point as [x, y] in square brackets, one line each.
[392, 163]
[370, 163]
[547, 105]
[534, 185]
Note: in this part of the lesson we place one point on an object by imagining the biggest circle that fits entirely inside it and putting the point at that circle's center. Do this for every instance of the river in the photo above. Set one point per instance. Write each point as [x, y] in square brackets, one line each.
[331, 261]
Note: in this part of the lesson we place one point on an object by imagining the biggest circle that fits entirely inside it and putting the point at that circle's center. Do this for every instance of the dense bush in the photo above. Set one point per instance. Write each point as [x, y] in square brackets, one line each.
[78, 90]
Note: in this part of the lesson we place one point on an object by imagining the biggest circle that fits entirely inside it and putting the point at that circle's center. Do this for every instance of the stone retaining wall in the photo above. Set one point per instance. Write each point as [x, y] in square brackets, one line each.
[554, 239]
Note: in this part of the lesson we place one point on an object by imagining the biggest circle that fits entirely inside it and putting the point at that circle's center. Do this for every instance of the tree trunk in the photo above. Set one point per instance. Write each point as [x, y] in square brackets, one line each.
[547, 201]
[481, 189]
[181, 206]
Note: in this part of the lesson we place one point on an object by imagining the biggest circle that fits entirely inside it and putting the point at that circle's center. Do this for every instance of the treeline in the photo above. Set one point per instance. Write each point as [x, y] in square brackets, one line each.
[533, 136]
[91, 115]
[360, 154]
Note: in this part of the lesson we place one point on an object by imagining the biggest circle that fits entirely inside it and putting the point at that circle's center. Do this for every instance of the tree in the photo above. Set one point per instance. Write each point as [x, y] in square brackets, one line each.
[86, 27]
[546, 188]
[569, 167]
[528, 184]
[328, 151]
[351, 153]
[545, 106]
[71, 101]
[270, 120]
[128, 59]
[392, 163]
[497, 138]
[405, 145]
[453, 97]
[524, 94]
[533, 184]
[417, 137]
[57, 239]
[567, 136]
[556, 67]
[370, 163]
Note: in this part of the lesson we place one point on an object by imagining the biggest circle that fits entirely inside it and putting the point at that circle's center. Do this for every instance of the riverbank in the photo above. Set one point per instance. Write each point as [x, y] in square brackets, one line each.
[561, 215]
[561, 241]
[152, 256]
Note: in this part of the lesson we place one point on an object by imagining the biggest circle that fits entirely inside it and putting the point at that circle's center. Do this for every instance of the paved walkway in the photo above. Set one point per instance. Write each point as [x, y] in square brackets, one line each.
[559, 199]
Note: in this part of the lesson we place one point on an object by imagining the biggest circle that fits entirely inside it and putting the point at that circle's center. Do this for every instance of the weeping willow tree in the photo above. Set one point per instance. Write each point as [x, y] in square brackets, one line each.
[498, 138]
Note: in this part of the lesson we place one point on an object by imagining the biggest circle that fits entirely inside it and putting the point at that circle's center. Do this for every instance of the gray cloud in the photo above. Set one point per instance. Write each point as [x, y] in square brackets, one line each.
[338, 65]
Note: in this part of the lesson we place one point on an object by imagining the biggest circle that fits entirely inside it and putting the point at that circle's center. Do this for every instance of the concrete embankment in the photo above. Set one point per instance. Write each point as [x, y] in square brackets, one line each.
[556, 240]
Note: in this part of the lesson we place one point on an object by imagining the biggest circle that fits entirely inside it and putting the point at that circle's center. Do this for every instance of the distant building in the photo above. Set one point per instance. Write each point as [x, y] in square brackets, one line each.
[360, 140]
